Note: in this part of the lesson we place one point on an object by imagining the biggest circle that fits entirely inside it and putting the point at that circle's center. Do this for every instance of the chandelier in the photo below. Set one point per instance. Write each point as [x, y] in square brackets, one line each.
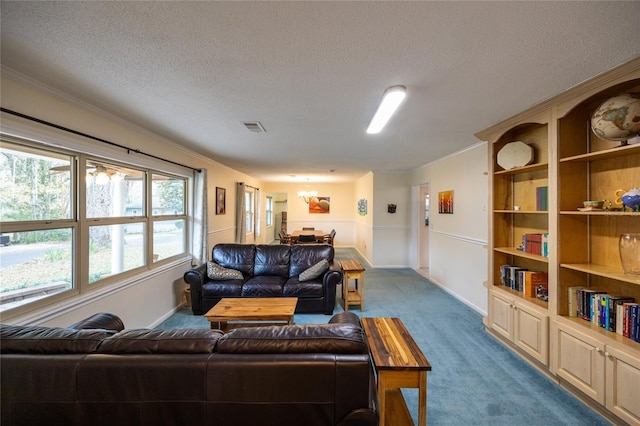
[307, 195]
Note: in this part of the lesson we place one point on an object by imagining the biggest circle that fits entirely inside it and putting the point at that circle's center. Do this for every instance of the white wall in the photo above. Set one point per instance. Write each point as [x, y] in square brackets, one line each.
[391, 231]
[364, 223]
[458, 241]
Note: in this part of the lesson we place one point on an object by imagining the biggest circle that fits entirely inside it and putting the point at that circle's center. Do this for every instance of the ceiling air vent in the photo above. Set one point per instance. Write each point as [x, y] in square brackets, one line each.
[254, 126]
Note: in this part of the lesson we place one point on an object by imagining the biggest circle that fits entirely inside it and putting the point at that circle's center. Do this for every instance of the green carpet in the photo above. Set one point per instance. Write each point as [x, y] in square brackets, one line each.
[475, 380]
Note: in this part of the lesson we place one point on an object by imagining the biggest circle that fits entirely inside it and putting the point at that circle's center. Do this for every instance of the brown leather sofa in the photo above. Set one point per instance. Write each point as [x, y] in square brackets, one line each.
[267, 271]
[274, 375]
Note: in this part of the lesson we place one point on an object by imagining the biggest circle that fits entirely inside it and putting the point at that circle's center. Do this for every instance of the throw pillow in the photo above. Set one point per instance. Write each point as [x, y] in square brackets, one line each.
[314, 271]
[217, 272]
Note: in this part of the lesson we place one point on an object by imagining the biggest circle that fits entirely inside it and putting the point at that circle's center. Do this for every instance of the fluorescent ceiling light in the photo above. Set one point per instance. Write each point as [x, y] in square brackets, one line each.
[391, 99]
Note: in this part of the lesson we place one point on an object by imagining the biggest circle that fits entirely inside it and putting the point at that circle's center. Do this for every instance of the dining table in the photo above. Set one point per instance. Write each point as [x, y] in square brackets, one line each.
[319, 234]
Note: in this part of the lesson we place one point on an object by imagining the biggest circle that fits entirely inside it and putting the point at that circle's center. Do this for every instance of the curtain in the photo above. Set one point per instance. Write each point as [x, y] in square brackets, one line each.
[241, 217]
[199, 231]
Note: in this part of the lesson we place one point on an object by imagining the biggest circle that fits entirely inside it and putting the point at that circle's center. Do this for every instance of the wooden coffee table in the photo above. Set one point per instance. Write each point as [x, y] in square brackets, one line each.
[251, 310]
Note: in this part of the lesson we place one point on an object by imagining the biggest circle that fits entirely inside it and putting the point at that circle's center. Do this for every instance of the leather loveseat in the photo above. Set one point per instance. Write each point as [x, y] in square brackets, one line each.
[313, 375]
[267, 271]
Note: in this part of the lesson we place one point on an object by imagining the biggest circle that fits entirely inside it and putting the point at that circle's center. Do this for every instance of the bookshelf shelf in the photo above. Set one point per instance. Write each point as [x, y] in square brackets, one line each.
[515, 252]
[610, 336]
[601, 213]
[603, 154]
[541, 212]
[524, 169]
[603, 271]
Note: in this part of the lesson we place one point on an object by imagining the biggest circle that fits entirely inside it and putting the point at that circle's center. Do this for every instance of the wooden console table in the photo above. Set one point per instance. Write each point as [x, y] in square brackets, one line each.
[352, 270]
[399, 363]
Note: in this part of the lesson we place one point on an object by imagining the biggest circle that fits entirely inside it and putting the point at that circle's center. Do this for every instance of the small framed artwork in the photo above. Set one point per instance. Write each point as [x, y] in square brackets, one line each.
[221, 200]
[362, 207]
[445, 202]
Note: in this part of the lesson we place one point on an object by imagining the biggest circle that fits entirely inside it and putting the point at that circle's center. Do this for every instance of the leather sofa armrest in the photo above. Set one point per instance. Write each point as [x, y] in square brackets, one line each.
[330, 280]
[102, 320]
[196, 278]
[346, 318]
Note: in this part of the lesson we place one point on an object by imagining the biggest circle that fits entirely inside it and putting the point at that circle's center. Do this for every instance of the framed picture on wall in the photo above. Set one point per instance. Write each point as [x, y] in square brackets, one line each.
[221, 200]
[445, 202]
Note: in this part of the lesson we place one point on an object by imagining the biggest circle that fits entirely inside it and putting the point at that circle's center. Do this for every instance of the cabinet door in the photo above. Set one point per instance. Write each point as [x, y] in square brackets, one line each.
[580, 361]
[501, 314]
[531, 332]
[623, 383]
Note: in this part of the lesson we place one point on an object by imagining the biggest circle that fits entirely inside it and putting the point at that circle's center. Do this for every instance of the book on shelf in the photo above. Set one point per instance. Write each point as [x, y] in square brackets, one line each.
[611, 310]
[535, 243]
[585, 302]
[573, 300]
[619, 314]
[533, 279]
[542, 196]
[634, 321]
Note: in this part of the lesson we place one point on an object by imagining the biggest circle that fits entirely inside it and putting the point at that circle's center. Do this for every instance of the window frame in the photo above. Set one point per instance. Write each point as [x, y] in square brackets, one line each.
[80, 225]
[268, 217]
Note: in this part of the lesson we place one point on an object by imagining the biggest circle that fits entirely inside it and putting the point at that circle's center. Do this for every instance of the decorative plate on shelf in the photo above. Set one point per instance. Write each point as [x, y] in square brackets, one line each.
[515, 154]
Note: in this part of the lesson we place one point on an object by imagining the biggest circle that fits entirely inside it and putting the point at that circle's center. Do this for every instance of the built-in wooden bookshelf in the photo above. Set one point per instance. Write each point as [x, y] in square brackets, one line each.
[600, 366]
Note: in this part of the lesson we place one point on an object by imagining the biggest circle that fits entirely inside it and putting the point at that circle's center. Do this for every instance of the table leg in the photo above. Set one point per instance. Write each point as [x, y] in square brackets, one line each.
[362, 296]
[345, 291]
[422, 399]
[382, 396]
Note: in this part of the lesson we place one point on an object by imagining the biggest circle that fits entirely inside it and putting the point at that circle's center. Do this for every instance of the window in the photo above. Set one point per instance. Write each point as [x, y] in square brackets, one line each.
[55, 244]
[249, 211]
[269, 212]
[169, 221]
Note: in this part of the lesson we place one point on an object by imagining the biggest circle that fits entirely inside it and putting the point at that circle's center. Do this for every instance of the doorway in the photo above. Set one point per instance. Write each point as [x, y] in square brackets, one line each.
[280, 214]
[423, 243]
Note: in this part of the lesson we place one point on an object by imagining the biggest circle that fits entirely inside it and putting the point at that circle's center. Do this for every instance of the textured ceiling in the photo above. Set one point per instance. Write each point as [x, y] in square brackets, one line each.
[313, 72]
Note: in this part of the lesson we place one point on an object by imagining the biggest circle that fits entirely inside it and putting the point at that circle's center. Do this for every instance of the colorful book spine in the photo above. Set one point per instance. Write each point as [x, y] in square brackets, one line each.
[542, 197]
[534, 279]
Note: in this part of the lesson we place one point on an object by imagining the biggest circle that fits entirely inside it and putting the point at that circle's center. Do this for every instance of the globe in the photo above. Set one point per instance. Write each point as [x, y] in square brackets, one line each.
[618, 118]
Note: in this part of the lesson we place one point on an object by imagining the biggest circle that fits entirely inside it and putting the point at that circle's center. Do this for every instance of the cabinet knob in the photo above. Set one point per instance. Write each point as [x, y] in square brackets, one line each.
[608, 355]
[598, 350]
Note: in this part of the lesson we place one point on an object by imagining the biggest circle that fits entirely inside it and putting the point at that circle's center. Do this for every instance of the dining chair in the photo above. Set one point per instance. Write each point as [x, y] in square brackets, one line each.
[306, 239]
[328, 238]
[284, 238]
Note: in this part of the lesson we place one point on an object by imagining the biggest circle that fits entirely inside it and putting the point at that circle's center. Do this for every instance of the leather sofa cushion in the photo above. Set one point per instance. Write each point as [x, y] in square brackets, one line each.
[263, 286]
[323, 338]
[20, 339]
[145, 341]
[235, 256]
[217, 289]
[272, 260]
[307, 289]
